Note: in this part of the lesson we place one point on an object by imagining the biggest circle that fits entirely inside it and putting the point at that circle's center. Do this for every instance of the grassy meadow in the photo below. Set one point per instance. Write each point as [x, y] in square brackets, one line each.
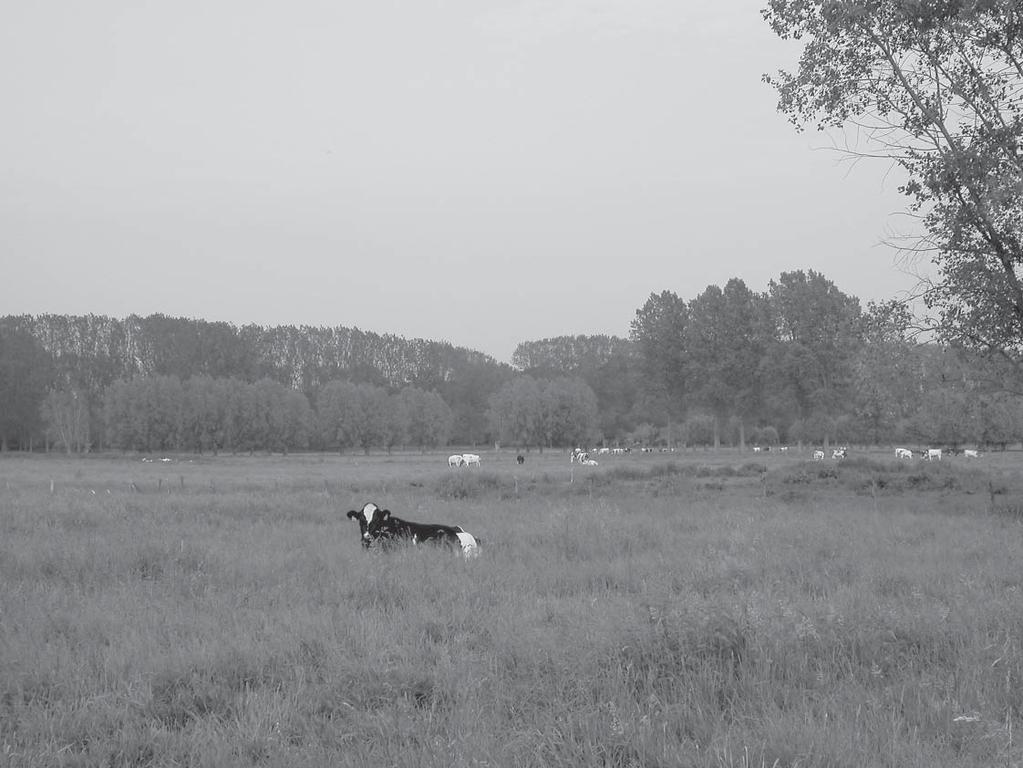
[699, 610]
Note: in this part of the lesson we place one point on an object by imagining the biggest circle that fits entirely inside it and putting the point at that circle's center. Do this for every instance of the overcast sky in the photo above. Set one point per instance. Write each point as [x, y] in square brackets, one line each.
[483, 172]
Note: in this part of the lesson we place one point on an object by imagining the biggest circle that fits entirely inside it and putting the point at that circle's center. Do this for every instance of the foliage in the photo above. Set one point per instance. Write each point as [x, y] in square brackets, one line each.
[25, 373]
[429, 420]
[935, 88]
[659, 333]
[800, 358]
[607, 364]
[810, 355]
[567, 354]
[725, 344]
[526, 412]
[89, 353]
[66, 416]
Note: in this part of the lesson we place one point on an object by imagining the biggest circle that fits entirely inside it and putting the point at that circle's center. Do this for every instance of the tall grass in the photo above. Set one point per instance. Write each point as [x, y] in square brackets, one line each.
[697, 613]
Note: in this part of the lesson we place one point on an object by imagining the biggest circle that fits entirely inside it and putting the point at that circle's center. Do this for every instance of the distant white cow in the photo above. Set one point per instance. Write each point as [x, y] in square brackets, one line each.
[818, 455]
[757, 449]
[903, 453]
[933, 454]
[470, 459]
[588, 462]
[971, 454]
[839, 453]
[455, 460]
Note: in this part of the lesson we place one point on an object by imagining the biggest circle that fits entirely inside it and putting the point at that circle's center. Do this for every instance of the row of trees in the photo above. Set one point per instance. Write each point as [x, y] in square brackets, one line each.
[87, 354]
[800, 362]
[787, 357]
[206, 414]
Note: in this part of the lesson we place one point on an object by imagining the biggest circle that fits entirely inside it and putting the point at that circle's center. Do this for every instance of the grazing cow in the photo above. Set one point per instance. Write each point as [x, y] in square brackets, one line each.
[903, 453]
[839, 453]
[757, 449]
[971, 454]
[455, 460]
[377, 525]
[471, 459]
[520, 459]
[818, 455]
[578, 454]
[933, 454]
[784, 449]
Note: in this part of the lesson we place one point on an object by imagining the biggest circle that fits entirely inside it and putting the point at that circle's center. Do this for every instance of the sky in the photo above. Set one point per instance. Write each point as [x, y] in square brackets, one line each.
[482, 172]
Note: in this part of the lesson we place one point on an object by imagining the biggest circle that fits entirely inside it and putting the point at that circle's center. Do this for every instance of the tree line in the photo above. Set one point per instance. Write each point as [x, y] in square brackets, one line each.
[82, 356]
[800, 362]
[803, 363]
[206, 414]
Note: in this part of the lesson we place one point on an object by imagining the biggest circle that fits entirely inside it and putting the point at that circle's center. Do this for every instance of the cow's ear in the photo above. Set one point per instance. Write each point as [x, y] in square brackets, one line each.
[352, 514]
[384, 514]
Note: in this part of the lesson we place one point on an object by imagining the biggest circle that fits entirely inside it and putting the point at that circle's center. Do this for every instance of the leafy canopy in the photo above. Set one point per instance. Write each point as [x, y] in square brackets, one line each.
[935, 86]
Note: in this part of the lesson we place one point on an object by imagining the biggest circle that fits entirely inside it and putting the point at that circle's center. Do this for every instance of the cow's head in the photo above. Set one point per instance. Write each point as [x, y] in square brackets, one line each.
[372, 522]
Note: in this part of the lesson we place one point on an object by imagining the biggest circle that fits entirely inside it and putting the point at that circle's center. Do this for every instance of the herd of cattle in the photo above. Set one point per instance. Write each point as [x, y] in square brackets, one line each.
[584, 457]
[464, 460]
[378, 527]
[928, 454]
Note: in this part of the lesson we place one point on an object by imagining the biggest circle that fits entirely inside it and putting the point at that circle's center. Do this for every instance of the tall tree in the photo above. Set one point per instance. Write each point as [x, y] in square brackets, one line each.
[659, 333]
[936, 88]
[66, 416]
[725, 344]
[816, 330]
[515, 412]
[568, 412]
[428, 419]
[25, 373]
[886, 387]
[606, 363]
[205, 413]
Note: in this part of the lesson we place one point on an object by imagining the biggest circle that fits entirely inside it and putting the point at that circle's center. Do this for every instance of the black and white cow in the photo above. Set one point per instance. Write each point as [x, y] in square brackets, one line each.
[578, 454]
[520, 459]
[378, 526]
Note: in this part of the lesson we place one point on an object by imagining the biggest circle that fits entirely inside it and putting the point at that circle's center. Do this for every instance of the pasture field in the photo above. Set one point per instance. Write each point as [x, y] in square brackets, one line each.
[699, 610]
